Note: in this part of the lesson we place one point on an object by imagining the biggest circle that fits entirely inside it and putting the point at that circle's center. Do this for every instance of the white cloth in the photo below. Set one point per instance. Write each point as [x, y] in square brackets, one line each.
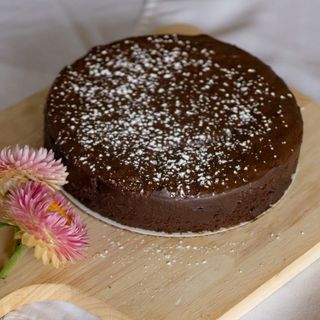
[39, 37]
[49, 310]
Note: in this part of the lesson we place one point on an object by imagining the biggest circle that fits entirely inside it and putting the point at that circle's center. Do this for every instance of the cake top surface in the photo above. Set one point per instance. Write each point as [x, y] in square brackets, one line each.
[183, 115]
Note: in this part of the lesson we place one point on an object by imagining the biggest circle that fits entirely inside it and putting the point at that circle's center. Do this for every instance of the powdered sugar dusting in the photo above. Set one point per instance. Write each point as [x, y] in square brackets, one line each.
[167, 114]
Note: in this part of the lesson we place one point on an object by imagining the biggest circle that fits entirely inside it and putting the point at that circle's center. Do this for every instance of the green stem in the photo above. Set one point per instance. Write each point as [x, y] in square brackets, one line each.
[2, 225]
[19, 251]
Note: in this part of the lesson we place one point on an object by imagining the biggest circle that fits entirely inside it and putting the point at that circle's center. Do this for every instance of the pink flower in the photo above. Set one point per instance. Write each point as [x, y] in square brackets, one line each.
[47, 222]
[23, 164]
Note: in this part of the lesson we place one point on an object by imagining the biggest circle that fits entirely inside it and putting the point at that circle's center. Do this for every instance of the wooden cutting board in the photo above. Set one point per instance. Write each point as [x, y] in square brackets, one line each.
[145, 277]
[222, 275]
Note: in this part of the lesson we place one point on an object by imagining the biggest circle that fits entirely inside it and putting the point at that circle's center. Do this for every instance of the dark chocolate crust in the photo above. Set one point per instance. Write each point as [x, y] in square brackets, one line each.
[176, 152]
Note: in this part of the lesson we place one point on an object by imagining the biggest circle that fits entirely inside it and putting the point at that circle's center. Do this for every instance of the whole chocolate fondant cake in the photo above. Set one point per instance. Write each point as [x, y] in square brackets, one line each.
[174, 133]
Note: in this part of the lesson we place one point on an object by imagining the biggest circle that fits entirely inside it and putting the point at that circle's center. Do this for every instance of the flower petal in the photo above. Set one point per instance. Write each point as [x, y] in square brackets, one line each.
[55, 231]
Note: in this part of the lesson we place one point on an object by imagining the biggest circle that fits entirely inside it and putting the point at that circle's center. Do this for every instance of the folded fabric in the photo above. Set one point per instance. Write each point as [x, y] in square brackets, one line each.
[49, 310]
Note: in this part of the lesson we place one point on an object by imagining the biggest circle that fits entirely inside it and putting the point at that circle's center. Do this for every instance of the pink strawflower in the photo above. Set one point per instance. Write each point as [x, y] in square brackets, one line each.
[47, 222]
[23, 164]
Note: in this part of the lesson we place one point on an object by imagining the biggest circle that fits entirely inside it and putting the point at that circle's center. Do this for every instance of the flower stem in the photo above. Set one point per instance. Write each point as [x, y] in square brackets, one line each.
[3, 224]
[18, 252]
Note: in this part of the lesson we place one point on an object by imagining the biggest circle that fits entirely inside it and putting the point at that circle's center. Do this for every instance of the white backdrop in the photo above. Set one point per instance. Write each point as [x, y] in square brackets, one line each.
[39, 37]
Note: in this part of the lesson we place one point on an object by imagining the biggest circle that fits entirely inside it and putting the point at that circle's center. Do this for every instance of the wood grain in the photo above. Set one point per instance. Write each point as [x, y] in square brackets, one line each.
[223, 275]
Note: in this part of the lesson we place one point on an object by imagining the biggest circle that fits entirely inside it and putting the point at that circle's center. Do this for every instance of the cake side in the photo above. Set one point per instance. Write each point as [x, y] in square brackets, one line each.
[162, 213]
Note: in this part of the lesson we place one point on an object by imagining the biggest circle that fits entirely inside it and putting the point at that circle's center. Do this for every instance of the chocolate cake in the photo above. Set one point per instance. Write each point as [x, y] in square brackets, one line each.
[174, 133]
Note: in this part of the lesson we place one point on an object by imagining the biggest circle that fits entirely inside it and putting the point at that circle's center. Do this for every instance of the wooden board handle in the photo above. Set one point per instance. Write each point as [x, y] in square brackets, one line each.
[186, 29]
[58, 292]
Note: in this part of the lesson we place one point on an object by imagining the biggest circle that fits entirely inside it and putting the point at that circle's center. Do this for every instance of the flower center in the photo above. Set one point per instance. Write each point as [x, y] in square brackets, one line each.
[54, 207]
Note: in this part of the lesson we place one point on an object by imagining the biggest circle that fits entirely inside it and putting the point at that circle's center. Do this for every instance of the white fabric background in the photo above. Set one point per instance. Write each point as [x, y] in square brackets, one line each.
[39, 37]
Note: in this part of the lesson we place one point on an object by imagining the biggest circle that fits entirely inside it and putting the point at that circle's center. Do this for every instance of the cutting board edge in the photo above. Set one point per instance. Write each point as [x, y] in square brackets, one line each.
[273, 284]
